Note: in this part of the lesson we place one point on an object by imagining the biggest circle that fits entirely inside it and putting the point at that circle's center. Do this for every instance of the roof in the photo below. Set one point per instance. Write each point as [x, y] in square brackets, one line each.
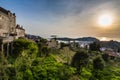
[19, 27]
[4, 10]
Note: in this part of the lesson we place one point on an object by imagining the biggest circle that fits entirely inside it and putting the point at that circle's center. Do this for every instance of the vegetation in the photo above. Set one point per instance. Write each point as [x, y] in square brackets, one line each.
[80, 60]
[35, 61]
[95, 46]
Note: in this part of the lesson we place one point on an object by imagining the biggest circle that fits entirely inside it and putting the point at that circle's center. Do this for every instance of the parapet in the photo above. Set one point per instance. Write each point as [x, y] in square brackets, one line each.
[19, 27]
[7, 12]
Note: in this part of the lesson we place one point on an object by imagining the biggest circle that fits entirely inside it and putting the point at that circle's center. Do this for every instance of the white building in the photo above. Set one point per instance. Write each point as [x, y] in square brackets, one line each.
[84, 44]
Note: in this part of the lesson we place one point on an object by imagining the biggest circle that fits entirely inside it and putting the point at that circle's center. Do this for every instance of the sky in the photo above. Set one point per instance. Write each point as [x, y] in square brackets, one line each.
[66, 18]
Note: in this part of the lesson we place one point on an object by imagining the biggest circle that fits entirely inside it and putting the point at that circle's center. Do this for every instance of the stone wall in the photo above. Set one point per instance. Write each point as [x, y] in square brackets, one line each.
[7, 22]
[20, 31]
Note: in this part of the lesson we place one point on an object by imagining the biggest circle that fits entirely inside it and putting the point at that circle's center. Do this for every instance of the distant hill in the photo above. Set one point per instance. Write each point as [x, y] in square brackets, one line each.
[108, 44]
[87, 39]
[79, 39]
[65, 39]
[111, 44]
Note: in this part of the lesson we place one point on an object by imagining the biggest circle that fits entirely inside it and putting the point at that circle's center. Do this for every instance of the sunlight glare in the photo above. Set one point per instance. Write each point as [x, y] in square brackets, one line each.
[105, 20]
[103, 39]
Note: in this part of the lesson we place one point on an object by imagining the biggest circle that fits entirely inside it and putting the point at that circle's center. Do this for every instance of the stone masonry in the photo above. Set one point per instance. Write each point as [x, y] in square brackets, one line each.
[7, 22]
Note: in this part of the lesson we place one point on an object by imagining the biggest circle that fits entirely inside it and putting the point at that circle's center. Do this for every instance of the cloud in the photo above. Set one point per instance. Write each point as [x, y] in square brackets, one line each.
[72, 18]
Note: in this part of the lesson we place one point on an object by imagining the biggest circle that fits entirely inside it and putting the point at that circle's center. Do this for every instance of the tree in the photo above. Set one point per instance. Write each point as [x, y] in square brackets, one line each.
[98, 66]
[105, 57]
[62, 45]
[41, 44]
[3, 67]
[49, 69]
[95, 46]
[24, 46]
[43, 41]
[45, 50]
[80, 60]
[98, 63]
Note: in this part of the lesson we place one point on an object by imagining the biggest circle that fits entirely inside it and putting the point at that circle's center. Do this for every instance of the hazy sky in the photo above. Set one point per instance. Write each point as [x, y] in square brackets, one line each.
[66, 18]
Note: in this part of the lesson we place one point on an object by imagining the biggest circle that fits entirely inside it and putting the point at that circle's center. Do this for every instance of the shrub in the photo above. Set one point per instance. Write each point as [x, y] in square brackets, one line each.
[24, 45]
[80, 59]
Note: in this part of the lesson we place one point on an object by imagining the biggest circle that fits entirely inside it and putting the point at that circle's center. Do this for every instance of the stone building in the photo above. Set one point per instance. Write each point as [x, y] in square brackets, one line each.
[7, 22]
[53, 43]
[8, 26]
[8, 30]
[20, 31]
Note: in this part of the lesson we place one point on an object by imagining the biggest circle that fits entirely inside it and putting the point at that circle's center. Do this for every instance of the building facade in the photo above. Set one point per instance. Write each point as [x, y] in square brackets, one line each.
[20, 32]
[8, 27]
[7, 22]
[53, 44]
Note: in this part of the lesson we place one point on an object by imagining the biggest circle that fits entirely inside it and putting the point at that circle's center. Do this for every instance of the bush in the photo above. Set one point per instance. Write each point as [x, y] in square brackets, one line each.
[95, 46]
[24, 45]
[80, 60]
[105, 57]
[48, 68]
[98, 63]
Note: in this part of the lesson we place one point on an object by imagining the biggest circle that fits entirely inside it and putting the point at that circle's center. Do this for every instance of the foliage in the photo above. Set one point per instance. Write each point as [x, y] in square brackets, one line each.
[3, 67]
[98, 66]
[105, 57]
[24, 45]
[63, 45]
[97, 75]
[45, 51]
[48, 68]
[40, 68]
[98, 63]
[43, 41]
[85, 74]
[80, 60]
[35, 61]
[95, 46]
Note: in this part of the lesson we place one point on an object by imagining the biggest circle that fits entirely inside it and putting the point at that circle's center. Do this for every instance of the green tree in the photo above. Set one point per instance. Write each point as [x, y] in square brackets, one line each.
[63, 45]
[23, 65]
[45, 51]
[105, 57]
[80, 59]
[41, 44]
[24, 46]
[98, 64]
[95, 46]
[49, 69]
[3, 67]
[42, 40]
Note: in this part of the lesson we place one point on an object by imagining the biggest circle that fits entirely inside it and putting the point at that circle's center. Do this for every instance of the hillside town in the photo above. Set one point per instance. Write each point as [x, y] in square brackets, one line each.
[10, 31]
[26, 56]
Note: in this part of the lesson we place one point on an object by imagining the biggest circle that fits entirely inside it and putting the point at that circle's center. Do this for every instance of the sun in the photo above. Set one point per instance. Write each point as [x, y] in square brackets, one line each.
[105, 20]
[103, 39]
